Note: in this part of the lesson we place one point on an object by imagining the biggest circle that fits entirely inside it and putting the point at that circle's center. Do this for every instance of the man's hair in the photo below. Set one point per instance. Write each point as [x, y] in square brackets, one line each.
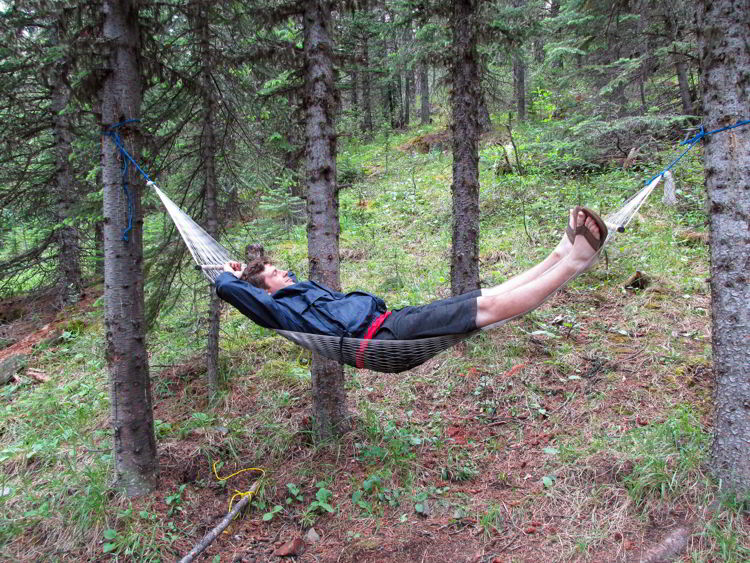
[253, 273]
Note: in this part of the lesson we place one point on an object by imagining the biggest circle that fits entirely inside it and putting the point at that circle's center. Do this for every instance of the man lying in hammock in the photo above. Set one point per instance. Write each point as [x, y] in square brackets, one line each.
[274, 298]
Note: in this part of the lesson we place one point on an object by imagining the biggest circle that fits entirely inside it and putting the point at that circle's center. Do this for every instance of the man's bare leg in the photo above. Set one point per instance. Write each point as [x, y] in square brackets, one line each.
[523, 298]
[560, 252]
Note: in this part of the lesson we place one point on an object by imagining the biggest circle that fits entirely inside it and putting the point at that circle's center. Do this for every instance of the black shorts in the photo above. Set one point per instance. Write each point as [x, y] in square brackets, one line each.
[455, 315]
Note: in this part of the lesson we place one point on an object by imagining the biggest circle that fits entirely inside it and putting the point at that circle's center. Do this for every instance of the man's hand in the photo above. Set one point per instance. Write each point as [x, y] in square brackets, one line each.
[234, 268]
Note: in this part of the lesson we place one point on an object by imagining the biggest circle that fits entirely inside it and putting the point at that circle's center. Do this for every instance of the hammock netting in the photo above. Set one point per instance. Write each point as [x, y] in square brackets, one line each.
[389, 356]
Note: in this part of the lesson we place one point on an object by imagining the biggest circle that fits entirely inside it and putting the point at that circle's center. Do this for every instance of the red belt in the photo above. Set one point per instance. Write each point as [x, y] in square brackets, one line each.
[373, 328]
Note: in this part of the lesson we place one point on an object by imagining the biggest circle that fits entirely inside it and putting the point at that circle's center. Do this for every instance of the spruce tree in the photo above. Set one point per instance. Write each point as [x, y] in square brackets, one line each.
[465, 96]
[725, 77]
[329, 394]
[136, 463]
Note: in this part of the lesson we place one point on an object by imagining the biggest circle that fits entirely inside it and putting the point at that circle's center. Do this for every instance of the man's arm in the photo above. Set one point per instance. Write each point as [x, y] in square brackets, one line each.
[234, 268]
[249, 300]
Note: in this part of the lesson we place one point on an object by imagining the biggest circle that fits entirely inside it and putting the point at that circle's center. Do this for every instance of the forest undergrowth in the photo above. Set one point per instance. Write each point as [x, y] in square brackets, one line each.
[577, 433]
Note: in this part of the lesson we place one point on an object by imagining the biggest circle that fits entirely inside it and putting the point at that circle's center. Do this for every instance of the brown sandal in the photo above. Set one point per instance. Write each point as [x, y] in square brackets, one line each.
[570, 231]
[596, 243]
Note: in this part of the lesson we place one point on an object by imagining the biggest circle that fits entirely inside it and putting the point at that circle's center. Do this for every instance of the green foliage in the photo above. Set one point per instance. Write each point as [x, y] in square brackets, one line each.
[295, 494]
[459, 468]
[174, 501]
[493, 521]
[268, 516]
[388, 443]
[321, 505]
[668, 455]
[374, 496]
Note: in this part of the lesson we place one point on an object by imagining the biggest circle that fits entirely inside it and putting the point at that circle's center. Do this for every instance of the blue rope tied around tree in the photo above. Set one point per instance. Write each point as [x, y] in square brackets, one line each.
[113, 132]
[694, 141]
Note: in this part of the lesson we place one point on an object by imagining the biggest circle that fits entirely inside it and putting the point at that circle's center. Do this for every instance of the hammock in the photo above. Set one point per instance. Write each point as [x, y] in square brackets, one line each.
[389, 356]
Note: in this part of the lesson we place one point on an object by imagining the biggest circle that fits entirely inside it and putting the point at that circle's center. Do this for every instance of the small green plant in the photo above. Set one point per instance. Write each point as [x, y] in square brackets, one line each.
[373, 495]
[174, 501]
[268, 516]
[295, 492]
[319, 506]
[459, 468]
[162, 429]
[394, 444]
[492, 521]
[420, 503]
[110, 545]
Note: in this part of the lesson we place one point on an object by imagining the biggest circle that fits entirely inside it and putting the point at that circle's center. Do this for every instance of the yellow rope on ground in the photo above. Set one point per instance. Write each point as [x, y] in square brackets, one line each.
[237, 493]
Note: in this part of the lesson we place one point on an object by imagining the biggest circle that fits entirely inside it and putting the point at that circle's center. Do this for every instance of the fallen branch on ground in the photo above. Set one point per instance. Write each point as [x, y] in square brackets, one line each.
[221, 526]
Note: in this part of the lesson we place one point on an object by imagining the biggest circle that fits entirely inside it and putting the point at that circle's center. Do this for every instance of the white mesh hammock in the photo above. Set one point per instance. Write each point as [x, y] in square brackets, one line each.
[389, 356]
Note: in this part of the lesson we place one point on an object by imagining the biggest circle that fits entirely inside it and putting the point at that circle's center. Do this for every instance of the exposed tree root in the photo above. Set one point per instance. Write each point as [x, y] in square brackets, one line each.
[669, 548]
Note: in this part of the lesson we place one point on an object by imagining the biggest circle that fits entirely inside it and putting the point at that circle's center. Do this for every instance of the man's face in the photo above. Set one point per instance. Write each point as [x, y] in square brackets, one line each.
[276, 279]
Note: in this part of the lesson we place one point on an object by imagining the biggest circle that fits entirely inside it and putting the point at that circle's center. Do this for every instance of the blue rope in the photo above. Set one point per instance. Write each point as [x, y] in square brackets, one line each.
[694, 141]
[126, 160]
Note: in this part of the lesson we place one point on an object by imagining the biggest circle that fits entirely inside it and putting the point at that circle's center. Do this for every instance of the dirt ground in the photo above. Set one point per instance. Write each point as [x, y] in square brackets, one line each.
[510, 480]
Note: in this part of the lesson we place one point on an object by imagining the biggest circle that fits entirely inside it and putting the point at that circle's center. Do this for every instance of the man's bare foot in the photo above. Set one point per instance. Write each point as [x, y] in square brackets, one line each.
[582, 251]
[564, 247]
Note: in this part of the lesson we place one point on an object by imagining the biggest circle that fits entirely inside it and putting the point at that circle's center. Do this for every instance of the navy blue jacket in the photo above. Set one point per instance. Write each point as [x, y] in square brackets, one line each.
[303, 307]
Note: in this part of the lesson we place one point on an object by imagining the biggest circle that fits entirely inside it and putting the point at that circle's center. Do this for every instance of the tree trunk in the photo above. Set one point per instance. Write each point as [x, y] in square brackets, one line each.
[684, 85]
[329, 395]
[208, 151]
[136, 466]
[519, 85]
[99, 249]
[485, 122]
[409, 96]
[465, 187]
[355, 87]
[725, 67]
[554, 11]
[424, 92]
[392, 86]
[367, 126]
[679, 62]
[538, 49]
[70, 283]
[397, 97]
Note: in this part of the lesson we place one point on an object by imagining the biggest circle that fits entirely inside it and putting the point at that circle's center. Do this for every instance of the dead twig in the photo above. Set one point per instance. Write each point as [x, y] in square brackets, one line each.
[221, 526]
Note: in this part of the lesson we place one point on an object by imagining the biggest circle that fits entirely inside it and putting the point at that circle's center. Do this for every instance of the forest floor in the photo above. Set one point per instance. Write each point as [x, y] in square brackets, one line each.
[577, 433]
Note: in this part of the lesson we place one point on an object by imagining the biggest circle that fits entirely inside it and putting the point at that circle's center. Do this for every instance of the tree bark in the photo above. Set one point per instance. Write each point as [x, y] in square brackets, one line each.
[392, 87]
[136, 466]
[519, 85]
[465, 187]
[329, 395]
[485, 122]
[409, 94]
[208, 150]
[725, 74]
[367, 126]
[99, 249]
[679, 62]
[354, 93]
[424, 92]
[70, 284]
[554, 11]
